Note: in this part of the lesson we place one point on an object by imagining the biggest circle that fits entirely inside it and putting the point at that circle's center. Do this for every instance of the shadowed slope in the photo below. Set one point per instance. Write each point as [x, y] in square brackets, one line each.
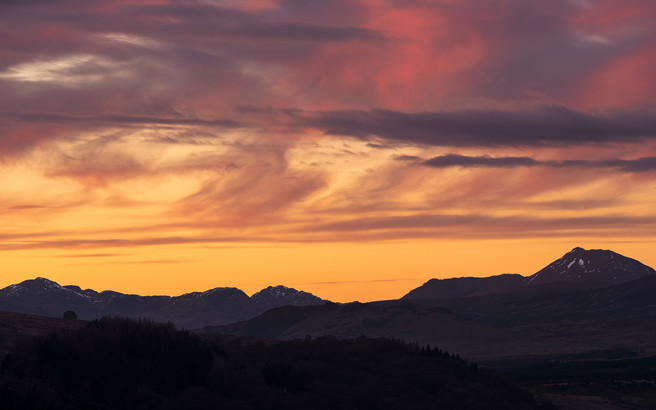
[17, 326]
[411, 322]
[577, 269]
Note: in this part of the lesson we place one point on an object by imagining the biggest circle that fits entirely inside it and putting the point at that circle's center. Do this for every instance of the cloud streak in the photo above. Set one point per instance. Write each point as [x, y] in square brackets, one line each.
[547, 126]
[122, 120]
[645, 164]
[178, 126]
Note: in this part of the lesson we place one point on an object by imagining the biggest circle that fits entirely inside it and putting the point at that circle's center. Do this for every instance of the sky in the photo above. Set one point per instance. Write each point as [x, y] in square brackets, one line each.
[350, 148]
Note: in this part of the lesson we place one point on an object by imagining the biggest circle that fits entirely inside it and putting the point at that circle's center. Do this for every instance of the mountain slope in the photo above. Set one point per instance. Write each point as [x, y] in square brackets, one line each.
[596, 267]
[583, 320]
[410, 322]
[41, 296]
[18, 326]
[465, 287]
[577, 269]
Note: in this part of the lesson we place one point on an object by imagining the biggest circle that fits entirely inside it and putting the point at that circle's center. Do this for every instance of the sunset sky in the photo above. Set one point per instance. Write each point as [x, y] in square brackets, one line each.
[352, 149]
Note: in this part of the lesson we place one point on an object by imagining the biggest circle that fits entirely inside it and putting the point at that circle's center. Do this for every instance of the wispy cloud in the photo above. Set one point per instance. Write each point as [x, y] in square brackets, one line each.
[128, 125]
[121, 120]
[92, 255]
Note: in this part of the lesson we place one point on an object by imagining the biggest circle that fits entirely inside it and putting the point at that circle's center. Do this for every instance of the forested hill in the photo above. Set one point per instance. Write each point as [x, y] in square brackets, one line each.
[126, 364]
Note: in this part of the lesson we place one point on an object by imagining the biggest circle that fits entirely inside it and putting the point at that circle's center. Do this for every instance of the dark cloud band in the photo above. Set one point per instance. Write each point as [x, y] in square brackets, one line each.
[453, 160]
[545, 126]
[121, 120]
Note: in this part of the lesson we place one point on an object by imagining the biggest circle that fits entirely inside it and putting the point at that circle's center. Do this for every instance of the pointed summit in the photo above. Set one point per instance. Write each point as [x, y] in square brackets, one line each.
[594, 267]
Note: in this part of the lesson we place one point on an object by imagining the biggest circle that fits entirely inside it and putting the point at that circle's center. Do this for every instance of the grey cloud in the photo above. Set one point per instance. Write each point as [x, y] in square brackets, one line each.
[637, 165]
[198, 20]
[453, 160]
[436, 225]
[557, 126]
[407, 158]
[116, 119]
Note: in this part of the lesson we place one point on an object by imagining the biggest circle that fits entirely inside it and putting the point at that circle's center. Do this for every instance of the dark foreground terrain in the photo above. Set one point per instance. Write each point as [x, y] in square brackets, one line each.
[127, 364]
[580, 331]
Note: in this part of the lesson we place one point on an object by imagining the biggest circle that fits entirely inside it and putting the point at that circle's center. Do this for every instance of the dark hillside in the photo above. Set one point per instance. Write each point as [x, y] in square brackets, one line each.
[412, 322]
[14, 327]
[465, 287]
[615, 317]
[126, 364]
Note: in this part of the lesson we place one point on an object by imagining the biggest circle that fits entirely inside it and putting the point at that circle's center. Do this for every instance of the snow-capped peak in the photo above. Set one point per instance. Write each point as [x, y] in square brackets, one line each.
[277, 291]
[41, 287]
[596, 265]
[283, 295]
[37, 285]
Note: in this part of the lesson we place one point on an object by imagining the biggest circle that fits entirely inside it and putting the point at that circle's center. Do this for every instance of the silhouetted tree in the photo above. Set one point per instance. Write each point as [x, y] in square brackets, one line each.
[70, 315]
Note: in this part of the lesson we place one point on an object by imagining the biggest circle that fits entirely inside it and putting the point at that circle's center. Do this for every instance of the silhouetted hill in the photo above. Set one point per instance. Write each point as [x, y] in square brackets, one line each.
[508, 318]
[587, 300]
[274, 296]
[15, 327]
[126, 364]
[590, 268]
[41, 296]
[577, 269]
[614, 317]
[466, 286]
[410, 322]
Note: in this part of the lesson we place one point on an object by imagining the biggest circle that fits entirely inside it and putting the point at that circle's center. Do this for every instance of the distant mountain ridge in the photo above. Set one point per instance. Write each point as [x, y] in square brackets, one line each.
[586, 302]
[221, 305]
[274, 296]
[577, 269]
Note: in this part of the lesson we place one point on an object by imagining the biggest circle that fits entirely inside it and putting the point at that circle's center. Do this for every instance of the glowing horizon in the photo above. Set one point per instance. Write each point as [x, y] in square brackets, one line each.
[349, 149]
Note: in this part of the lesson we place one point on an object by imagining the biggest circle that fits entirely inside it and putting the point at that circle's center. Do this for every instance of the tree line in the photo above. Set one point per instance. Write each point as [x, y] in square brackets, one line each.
[117, 363]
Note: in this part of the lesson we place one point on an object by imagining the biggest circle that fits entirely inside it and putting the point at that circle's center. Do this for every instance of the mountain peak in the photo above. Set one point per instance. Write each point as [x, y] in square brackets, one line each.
[38, 285]
[283, 295]
[41, 281]
[39, 289]
[596, 266]
[277, 291]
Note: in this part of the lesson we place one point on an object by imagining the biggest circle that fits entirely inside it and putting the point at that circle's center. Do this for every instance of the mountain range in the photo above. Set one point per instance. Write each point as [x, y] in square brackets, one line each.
[42, 296]
[581, 330]
[587, 299]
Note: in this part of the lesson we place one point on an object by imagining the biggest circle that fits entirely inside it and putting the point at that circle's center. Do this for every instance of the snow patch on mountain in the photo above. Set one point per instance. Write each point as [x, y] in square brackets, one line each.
[594, 265]
[43, 287]
[282, 295]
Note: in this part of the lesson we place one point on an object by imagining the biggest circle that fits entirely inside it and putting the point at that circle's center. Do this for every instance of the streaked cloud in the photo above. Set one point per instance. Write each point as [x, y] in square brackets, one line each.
[114, 120]
[453, 160]
[153, 131]
[541, 127]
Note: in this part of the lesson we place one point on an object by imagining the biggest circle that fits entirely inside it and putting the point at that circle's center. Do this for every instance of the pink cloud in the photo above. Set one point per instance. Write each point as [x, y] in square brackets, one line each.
[421, 76]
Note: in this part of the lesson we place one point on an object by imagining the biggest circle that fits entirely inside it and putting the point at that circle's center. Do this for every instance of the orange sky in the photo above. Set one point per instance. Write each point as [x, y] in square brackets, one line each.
[352, 149]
